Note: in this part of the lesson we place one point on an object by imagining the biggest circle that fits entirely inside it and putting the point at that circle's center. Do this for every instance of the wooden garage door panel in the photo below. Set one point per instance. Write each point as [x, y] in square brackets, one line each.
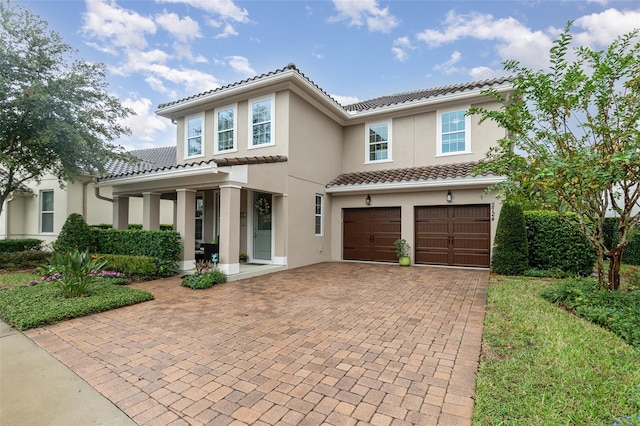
[453, 235]
[369, 233]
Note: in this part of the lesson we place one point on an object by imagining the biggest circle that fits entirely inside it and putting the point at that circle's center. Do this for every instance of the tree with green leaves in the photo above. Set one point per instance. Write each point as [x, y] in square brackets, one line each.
[573, 139]
[55, 113]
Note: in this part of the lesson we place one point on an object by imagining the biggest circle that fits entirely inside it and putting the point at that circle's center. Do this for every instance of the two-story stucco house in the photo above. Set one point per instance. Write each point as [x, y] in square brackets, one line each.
[274, 167]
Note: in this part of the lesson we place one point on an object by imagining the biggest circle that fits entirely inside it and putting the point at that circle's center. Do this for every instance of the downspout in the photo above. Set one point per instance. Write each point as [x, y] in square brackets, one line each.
[102, 197]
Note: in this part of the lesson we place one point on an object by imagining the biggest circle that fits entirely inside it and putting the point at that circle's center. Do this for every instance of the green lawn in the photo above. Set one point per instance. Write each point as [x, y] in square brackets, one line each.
[28, 306]
[542, 365]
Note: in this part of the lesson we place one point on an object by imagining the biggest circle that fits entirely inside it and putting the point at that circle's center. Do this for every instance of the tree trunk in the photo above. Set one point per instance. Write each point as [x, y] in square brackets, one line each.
[600, 267]
[615, 261]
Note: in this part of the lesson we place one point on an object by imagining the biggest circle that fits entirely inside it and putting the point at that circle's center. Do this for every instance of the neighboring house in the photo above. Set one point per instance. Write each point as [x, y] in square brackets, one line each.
[40, 210]
[274, 167]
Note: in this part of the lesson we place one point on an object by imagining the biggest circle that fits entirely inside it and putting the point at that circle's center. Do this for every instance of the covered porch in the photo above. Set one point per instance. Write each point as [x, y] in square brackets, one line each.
[237, 205]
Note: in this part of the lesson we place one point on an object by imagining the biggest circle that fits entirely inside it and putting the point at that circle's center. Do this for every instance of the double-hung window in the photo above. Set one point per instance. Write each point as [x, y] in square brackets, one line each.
[225, 124]
[378, 142]
[453, 132]
[46, 211]
[318, 215]
[194, 136]
[261, 123]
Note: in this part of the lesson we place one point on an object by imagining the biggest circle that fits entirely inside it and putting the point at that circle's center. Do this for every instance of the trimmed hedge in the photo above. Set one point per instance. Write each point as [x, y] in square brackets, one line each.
[23, 259]
[558, 243]
[510, 248]
[20, 244]
[143, 267]
[631, 255]
[164, 246]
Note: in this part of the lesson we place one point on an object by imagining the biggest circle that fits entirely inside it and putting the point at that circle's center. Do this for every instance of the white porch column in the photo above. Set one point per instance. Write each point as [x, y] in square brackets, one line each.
[120, 212]
[186, 226]
[150, 211]
[279, 231]
[229, 229]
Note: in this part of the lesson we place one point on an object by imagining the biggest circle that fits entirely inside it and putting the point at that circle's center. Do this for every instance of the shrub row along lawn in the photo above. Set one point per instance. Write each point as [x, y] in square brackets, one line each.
[28, 306]
[543, 365]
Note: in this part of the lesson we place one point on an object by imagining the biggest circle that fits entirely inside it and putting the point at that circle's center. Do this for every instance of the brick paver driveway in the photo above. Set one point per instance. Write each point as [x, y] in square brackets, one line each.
[333, 343]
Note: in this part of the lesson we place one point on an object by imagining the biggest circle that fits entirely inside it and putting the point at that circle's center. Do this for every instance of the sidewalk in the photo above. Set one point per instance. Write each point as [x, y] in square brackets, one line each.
[37, 389]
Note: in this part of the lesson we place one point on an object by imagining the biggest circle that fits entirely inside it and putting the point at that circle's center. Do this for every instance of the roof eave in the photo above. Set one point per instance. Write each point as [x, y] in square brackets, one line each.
[447, 97]
[467, 181]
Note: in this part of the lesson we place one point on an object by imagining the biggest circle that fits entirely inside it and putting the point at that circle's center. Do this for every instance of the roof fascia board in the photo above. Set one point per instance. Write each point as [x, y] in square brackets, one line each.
[484, 181]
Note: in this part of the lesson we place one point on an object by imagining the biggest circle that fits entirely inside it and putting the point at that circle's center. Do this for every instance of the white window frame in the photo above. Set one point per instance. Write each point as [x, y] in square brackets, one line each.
[186, 136]
[272, 121]
[467, 132]
[234, 129]
[47, 212]
[367, 142]
[319, 215]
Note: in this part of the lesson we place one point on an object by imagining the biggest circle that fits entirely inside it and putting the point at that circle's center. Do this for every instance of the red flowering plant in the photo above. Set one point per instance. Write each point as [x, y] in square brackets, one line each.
[632, 279]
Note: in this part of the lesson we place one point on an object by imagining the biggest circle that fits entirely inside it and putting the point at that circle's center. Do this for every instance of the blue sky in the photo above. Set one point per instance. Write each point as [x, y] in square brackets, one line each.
[162, 50]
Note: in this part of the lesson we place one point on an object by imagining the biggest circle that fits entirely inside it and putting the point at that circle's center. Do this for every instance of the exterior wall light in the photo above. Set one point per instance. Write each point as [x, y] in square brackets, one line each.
[449, 196]
[367, 200]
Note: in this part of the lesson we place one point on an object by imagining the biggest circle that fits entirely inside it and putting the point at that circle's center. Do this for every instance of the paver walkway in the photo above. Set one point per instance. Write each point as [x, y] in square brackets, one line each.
[333, 343]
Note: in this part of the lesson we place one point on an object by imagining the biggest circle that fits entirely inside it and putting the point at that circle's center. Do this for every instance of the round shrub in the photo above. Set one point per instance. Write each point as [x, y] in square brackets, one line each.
[75, 235]
[510, 249]
[206, 280]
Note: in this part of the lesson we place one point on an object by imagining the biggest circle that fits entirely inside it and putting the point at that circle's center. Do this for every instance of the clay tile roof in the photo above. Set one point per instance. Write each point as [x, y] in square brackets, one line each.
[411, 174]
[401, 98]
[159, 159]
[237, 161]
[289, 67]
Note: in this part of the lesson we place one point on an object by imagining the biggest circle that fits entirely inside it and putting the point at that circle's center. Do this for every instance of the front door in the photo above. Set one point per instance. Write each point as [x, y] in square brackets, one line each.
[262, 218]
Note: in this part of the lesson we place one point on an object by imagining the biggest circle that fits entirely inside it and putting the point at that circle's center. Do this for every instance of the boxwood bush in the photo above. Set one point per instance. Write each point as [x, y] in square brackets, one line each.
[23, 259]
[557, 243]
[20, 244]
[75, 235]
[164, 246]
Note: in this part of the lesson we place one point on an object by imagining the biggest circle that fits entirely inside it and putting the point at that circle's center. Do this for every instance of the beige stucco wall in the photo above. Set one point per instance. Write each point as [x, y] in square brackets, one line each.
[414, 140]
[280, 125]
[406, 201]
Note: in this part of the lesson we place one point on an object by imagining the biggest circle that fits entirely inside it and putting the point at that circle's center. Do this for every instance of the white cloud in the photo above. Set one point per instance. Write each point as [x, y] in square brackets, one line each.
[183, 30]
[448, 67]
[115, 26]
[228, 31]
[485, 73]
[515, 41]
[240, 64]
[227, 9]
[365, 11]
[145, 124]
[400, 47]
[600, 29]
[345, 100]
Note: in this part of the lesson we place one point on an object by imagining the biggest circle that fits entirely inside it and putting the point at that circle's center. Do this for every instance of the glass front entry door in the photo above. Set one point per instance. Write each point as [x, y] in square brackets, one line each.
[262, 217]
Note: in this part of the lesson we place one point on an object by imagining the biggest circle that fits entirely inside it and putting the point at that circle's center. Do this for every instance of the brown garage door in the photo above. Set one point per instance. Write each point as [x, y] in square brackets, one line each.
[453, 235]
[368, 234]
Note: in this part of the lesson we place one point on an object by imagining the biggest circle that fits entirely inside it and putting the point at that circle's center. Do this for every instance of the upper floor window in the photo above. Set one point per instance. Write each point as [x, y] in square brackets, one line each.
[261, 122]
[378, 142]
[453, 132]
[318, 215]
[225, 123]
[46, 211]
[195, 131]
